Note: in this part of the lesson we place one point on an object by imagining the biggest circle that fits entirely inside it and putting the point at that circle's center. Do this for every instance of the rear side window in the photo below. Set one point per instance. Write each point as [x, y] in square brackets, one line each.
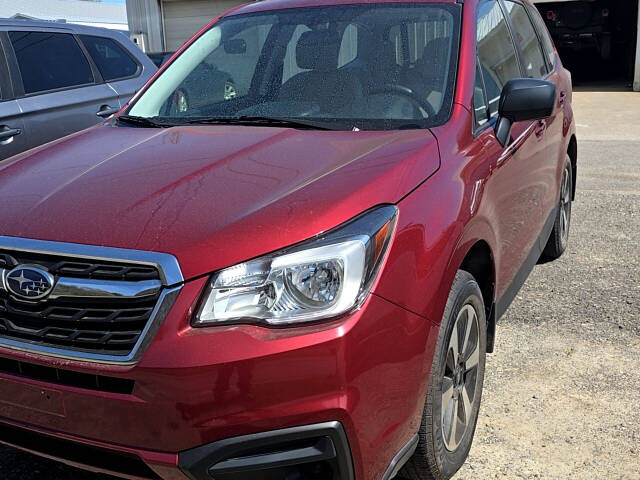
[545, 37]
[112, 60]
[49, 61]
[496, 51]
[527, 40]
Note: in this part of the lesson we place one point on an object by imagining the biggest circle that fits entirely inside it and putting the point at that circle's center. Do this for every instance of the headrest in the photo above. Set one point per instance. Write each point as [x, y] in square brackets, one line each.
[436, 51]
[385, 58]
[318, 50]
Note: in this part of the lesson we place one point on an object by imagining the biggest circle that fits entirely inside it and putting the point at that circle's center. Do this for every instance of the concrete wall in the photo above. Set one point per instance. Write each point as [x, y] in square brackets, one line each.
[636, 80]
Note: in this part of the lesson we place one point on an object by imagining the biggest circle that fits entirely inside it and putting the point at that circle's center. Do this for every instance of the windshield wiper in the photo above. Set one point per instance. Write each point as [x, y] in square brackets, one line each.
[144, 122]
[159, 122]
[261, 121]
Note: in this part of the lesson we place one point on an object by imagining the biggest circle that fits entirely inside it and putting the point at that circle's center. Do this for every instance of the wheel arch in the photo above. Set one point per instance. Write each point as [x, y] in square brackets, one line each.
[479, 262]
[476, 254]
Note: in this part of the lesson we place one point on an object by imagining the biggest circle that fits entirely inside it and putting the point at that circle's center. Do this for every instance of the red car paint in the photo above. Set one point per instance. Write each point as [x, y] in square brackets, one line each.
[214, 196]
[227, 198]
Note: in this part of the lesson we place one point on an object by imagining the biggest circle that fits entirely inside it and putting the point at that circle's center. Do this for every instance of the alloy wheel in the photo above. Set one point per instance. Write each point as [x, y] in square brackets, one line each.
[565, 207]
[459, 383]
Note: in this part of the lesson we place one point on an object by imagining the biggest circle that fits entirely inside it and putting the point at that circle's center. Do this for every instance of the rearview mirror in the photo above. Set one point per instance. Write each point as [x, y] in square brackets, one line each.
[235, 46]
[523, 99]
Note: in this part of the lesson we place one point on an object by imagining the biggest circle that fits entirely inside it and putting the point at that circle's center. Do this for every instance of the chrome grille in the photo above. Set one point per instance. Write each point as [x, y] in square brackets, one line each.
[105, 304]
[78, 268]
[109, 328]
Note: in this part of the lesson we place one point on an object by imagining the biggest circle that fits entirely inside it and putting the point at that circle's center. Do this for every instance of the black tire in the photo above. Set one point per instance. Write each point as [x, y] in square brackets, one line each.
[559, 239]
[432, 458]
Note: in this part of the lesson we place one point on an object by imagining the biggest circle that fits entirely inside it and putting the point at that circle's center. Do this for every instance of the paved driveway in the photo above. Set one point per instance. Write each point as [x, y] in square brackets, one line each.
[562, 395]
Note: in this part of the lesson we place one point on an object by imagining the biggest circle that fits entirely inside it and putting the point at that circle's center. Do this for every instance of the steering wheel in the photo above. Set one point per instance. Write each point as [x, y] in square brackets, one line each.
[406, 92]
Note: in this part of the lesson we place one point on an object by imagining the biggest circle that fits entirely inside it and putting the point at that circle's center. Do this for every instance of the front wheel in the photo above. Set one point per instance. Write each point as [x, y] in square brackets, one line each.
[559, 239]
[455, 386]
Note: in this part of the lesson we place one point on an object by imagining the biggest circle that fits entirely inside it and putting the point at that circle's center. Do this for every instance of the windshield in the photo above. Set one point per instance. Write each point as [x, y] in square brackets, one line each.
[344, 67]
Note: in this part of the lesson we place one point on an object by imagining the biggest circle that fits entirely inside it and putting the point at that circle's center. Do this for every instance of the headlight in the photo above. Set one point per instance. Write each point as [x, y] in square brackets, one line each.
[318, 279]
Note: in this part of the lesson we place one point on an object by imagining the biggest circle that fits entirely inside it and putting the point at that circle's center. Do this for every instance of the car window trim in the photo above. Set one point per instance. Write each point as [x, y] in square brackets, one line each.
[139, 68]
[19, 91]
[97, 76]
[6, 87]
[12, 64]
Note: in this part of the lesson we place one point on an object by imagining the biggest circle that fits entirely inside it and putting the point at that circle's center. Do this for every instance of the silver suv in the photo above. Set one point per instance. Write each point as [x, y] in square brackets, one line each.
[57, 78]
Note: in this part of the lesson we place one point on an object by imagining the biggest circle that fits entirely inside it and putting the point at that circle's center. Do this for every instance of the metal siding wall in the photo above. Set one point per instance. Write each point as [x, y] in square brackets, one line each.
[144, 16]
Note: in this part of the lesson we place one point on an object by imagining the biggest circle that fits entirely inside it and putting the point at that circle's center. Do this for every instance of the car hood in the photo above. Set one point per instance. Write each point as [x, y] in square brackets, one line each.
[210, 195]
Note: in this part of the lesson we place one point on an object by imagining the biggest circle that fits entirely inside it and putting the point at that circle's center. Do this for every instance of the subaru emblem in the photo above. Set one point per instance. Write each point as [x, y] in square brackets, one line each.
[29, 282]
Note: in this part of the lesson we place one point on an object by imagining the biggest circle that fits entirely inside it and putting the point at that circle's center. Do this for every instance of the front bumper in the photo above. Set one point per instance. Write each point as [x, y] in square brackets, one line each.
[310, 452]
[313, 452]
[367, 371]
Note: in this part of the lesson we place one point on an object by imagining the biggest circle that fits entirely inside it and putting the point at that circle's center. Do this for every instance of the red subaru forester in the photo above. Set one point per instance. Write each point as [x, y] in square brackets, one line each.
[294, 274]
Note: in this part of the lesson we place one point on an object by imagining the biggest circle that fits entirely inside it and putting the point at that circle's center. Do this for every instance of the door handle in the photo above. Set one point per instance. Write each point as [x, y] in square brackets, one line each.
[562, 99]
[9, 133]
[540, 128]
[106, 111]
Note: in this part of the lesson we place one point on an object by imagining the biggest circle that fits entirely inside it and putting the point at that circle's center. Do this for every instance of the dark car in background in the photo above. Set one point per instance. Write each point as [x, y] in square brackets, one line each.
[597, 30]
[160, 58]
[57, 78]
[580, 25]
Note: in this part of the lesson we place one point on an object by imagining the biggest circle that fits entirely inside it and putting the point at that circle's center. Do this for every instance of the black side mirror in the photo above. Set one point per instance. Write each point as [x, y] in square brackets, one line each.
[523, 99]
[236, 46]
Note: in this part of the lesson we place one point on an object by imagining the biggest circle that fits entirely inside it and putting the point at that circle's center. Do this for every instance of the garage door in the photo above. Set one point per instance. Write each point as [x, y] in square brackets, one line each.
[183, 18]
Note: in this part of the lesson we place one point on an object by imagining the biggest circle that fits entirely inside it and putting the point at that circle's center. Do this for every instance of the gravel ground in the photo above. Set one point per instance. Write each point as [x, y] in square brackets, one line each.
[562, 390]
